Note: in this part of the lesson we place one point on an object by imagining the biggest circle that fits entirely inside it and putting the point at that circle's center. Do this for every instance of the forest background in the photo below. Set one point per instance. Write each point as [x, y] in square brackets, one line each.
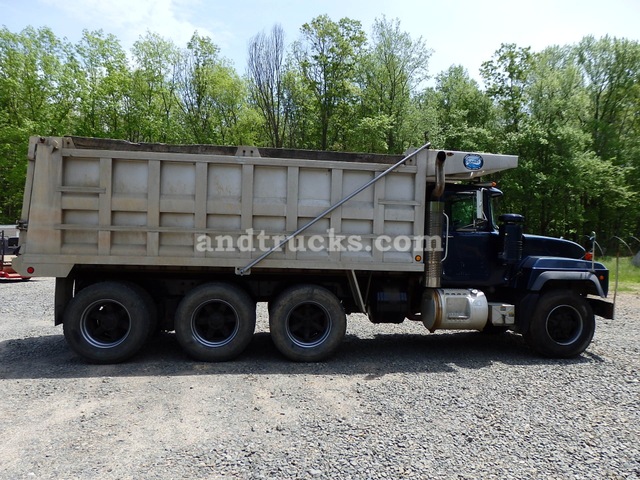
[571, 113]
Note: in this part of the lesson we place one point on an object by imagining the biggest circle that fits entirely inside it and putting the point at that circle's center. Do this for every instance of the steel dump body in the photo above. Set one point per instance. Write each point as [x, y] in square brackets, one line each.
[104, 202]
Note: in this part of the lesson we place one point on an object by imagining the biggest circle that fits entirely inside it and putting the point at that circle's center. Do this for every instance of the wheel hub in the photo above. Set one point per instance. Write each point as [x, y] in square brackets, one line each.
[564, 325]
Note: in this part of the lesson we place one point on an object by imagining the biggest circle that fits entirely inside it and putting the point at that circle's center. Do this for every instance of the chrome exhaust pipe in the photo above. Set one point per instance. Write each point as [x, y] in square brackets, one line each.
[433, 256]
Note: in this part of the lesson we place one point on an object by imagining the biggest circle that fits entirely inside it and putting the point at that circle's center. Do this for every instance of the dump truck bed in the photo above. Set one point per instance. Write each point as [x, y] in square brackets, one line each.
[106, 202]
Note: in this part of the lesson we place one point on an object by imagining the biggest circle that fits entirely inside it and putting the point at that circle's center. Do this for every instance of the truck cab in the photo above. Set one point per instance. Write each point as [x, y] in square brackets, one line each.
[490, 252]
[475, 248]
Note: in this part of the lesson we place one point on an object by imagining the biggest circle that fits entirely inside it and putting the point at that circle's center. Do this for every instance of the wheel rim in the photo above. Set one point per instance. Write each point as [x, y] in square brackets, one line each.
[564, 325]
[308, 324]
[215, 323]
[105, 324]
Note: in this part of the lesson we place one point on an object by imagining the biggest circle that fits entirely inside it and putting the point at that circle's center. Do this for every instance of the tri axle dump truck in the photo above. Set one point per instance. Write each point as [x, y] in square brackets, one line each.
[188, 238]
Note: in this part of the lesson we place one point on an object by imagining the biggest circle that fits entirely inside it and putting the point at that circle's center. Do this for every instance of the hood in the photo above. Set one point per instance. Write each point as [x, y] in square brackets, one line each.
[539, 246]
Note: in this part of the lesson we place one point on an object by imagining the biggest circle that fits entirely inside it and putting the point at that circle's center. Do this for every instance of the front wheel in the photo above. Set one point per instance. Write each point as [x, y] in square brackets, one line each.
[307, 323]
[562, 325]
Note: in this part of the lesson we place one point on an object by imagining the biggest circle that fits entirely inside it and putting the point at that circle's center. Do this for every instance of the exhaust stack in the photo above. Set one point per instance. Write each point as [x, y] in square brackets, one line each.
[433, 256]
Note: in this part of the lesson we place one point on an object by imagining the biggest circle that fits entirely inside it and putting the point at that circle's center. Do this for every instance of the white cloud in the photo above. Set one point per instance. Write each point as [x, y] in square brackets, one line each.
[129, 19]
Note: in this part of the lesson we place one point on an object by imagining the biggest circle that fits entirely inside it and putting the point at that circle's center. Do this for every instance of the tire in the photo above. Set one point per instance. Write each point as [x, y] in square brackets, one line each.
[150, 305]
[215, 322]
[307, 323]
[107, 322]
[562, 325]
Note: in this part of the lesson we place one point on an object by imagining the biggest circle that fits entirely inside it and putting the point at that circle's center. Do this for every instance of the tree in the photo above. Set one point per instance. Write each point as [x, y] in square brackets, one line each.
[553, 143]
[103, 82]
[506, 77]
[561, 185]
[466, 115]
[611, 68]
[393, 68]
[36, 79]
[327, 56]
[299, 102]
[570, 113]
[153, 109]
[266, 70]
[37, 96]
[212, 95]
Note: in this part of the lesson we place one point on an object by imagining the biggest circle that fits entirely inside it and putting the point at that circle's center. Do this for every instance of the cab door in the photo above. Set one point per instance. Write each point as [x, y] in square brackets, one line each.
[471, 256]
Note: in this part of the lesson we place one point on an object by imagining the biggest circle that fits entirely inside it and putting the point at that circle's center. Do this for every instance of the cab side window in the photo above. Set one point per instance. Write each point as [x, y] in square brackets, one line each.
[462, 209]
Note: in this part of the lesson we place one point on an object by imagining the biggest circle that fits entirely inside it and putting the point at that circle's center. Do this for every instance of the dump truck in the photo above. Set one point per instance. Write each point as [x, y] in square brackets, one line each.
[188, 238]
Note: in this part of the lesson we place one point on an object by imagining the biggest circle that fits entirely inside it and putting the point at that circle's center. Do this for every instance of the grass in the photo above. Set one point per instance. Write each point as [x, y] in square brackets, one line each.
[628, 274]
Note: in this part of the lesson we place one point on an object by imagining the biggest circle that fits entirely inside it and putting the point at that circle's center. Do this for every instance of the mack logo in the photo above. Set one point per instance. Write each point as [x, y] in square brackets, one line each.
[473, 161]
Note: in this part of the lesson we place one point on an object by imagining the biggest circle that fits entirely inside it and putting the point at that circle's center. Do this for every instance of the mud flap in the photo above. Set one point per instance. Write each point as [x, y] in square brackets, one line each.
[602, 308]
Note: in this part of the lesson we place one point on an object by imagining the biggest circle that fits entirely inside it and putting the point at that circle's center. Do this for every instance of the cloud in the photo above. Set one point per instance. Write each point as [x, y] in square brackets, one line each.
[128, 19]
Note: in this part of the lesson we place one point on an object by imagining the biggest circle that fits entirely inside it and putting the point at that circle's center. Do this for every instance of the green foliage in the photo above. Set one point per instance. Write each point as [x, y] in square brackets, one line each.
[13, 167]
[465, 114]
[611, 68]
[327, 56]
[506, 77]
[103, 80]
[570, 113]
[152, 104]
[389, 73]
[36, 97]
[562, 186]
[370, 133]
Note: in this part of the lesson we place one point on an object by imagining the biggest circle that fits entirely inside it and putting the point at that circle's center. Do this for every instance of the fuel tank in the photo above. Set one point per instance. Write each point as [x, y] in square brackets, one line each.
[454, 309]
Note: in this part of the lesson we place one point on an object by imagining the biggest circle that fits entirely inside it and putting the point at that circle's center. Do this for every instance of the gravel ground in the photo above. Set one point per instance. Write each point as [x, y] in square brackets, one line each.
[396, 402]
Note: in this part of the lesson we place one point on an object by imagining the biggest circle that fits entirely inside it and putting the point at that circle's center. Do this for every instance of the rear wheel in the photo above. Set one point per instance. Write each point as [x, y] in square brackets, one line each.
[215, 322]
[562, 325]
[307, 323]
[107, 322]
[150, 305]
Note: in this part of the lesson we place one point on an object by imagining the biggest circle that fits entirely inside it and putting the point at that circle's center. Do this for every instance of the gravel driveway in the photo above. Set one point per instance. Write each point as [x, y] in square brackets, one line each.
[396, 402]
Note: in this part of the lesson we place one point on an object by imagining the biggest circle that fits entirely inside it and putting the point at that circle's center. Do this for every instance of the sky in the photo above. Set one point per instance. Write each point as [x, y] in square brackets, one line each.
[459, 32]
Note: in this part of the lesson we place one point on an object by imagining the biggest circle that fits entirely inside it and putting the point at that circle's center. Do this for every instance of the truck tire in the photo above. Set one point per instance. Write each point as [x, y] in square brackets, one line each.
[215, 322]
[107, 322]
[150, 305]
[562, 325]
[307, 323]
